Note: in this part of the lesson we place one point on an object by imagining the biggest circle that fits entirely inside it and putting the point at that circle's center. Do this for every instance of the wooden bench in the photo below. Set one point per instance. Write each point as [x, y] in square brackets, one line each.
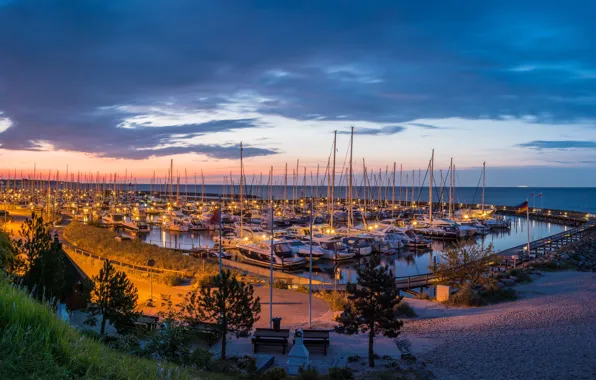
[210, 332]
[270, 337]
[316, 338]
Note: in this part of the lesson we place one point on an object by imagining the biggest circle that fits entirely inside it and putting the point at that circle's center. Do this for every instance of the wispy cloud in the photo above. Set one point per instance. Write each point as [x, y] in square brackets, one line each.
[383, 131]
[562, 144]
[426, 126]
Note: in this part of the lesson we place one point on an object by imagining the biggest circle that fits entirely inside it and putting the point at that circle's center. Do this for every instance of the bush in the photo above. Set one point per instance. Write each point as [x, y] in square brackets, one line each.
[340, 373]
[466, 296]
[521, 275]
[405, 309]
[280, 284]
[423, 296]
[337, 301]
[309, 373]
[492, 293]
[173, 279]
[201, 358]
[275, 373]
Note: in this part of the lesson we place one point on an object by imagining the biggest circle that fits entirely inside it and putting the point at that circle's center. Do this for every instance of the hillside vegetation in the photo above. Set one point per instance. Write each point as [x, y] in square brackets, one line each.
[102, 242]
[35, 344]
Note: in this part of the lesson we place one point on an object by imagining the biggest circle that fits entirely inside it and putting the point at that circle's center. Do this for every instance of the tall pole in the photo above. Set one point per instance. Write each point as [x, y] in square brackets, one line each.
[310, 268]
[271, 255]
[220, 237]
[333, 181]
[350, 210]
[451, 188]
[528, 221]
[241, 192]
[483, 184]
[430, 187]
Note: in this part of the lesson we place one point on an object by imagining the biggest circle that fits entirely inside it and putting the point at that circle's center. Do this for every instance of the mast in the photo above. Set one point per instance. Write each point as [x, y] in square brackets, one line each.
[350, 216]
[333, 180]
[393, 193]
[430, 187]
[241, 192]
[483, 185]
[171, 179]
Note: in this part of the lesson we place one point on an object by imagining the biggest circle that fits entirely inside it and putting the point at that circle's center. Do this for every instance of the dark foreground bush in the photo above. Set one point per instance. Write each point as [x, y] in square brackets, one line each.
[466, 296]
[340, 373]
[405, 309]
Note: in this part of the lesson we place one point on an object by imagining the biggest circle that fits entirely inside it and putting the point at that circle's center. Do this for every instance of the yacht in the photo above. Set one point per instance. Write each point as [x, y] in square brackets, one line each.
[174, 225]
[112, 219]
[130, 225]
[259, 254]
[143, 227]
[357, 245]
[303, 249]
[332, 247]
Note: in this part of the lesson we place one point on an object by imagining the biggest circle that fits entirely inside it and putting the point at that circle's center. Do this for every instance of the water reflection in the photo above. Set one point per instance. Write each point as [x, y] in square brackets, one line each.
[405, 263]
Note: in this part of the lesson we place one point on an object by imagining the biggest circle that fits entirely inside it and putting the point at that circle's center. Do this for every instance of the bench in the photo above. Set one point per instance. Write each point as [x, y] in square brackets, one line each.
[210, 332]
[316, 338]
[270, 337]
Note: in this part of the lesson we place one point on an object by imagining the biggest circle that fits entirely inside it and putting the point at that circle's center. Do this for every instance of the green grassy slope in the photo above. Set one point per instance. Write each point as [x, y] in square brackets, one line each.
[35, 344]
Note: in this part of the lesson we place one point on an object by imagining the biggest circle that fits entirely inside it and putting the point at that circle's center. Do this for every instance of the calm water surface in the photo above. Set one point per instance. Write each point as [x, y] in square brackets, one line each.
[406, 263]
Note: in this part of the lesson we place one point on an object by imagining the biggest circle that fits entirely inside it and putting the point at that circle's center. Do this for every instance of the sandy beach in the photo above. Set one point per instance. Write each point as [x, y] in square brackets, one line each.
[548, 334]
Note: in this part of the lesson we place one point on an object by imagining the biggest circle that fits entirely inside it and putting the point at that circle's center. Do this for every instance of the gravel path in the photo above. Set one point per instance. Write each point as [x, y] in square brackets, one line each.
[549, 334]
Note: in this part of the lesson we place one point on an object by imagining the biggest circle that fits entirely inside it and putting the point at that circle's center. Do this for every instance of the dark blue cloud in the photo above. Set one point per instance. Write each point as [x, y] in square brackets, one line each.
[387, 130]
[562, 144]
[384, 61]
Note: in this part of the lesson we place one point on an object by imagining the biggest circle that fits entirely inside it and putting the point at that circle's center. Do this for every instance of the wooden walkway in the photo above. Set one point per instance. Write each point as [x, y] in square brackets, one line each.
[508, 258]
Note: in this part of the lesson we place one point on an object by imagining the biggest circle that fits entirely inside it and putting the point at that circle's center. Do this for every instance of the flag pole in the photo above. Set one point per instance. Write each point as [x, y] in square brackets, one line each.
[528, 221]
[310, 268]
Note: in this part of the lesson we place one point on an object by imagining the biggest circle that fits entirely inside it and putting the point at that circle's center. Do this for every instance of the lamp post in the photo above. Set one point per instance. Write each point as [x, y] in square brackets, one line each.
[150, 263]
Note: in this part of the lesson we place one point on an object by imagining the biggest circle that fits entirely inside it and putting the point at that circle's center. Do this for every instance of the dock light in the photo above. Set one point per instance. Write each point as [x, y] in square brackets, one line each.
[264, 236]
[246, 239]
[332, 231]
[370, 228]
[376, 226]
[466, 216]
[414, 223]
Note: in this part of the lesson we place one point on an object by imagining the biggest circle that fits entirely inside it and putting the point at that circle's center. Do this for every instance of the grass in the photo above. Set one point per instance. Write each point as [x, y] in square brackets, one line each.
[102, 242]
[35, 344]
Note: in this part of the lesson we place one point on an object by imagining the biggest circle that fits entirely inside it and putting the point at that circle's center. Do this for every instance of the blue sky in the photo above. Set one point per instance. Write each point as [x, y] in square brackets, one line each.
[103, 85]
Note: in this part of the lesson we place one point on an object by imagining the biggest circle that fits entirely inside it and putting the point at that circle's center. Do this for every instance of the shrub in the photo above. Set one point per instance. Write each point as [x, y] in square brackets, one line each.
[201, 358]
[173, 279]
[521, 275]
[466, 296]
[309, 373]
[280, 284]
[423, 296]
[340, 373]
[275, 373]
[337, 301]
[492, 293]
[405, 309]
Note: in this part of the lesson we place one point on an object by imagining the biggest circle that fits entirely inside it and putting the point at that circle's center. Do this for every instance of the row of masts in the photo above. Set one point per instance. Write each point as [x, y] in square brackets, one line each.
[372, 188]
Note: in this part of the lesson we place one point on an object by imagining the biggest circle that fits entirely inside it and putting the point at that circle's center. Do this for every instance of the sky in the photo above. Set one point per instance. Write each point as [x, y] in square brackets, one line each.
[126, 86]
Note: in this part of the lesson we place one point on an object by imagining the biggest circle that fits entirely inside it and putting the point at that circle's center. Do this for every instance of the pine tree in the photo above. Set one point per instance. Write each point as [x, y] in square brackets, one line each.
[225, 301]
[114, 297]
[372, 305]
[40, 259]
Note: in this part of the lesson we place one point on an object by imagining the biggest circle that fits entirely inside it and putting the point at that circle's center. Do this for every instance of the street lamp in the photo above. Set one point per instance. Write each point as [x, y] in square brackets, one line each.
[150, 263]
